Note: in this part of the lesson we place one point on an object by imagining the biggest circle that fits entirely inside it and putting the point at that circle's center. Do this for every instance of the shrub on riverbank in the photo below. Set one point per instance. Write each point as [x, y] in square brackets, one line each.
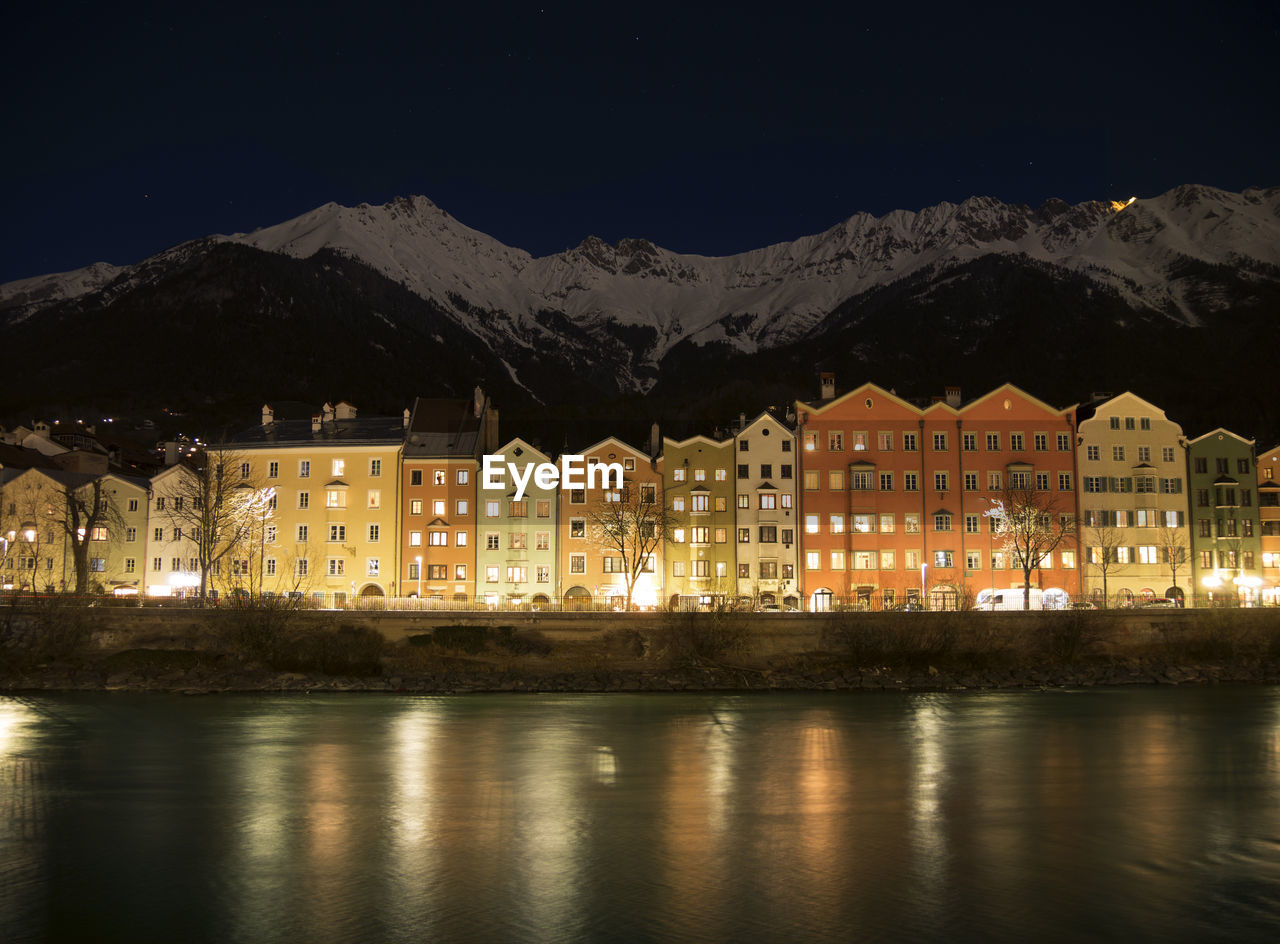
[701, 639]
[269, 631]
[43, 631]
[964, 641]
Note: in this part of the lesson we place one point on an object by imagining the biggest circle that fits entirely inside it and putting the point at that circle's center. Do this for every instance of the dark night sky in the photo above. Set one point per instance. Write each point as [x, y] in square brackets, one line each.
[711, 129]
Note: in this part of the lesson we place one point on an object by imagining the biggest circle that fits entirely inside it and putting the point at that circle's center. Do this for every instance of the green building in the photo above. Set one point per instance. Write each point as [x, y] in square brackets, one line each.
[1226, 553]
[516, 541]
[700, 548]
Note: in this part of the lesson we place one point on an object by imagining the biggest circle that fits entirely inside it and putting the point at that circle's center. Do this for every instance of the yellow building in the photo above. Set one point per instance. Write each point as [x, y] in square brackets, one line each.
[331, 519]
[46, 513]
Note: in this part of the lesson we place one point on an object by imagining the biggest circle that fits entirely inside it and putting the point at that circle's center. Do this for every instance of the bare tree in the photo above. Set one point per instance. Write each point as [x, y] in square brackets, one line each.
[247, 555]
[1104, 557]
[218, 505]
[26, 532]
[632, 523]
[42, 506]
[1031, 526]
[1172, 543]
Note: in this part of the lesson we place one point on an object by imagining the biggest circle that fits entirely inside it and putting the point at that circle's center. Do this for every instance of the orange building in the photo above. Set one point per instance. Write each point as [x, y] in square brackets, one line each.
[443, 444]
[591, 574]
[892, 495]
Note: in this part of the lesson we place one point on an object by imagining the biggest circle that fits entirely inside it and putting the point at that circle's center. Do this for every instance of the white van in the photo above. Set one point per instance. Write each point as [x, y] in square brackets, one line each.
[1010, 599]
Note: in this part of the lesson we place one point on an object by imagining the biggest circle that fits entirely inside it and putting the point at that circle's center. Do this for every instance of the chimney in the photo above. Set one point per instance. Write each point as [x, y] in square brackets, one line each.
[268, 415]
[406, 418]
[654, 441]
[170, 453]
[742, 422]
[478, 397]
[953, 396]
[828, 384]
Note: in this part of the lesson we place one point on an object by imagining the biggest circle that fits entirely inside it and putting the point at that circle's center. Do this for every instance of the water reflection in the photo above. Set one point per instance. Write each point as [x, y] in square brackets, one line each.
[708, 818]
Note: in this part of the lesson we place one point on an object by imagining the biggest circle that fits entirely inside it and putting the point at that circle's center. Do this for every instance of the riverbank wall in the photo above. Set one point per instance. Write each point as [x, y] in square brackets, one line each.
[269, 649]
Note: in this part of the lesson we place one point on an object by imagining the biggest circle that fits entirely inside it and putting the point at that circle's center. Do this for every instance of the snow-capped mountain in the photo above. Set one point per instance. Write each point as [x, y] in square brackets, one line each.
[403, 297]
[778, 293]
[1151, 253]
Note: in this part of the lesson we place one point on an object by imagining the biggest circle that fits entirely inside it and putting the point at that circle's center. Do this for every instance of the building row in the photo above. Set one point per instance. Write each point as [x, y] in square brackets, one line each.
[863, 500]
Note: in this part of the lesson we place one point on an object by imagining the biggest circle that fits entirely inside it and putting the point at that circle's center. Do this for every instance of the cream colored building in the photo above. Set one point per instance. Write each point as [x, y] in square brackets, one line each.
[766, 528]
[1132, 463]
[35, 531]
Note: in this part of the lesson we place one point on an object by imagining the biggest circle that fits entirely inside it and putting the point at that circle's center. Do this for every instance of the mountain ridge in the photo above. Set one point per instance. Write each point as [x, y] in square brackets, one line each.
[916, 292]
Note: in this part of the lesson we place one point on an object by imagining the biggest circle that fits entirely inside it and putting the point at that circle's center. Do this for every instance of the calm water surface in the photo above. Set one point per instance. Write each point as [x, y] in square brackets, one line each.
[1136, 814]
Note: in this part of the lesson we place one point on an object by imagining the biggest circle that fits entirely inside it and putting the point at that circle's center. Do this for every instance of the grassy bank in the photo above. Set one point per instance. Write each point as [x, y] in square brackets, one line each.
[57, 646]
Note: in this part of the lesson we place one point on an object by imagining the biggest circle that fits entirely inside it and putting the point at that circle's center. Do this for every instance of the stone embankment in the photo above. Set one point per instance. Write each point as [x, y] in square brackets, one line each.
[272, 650]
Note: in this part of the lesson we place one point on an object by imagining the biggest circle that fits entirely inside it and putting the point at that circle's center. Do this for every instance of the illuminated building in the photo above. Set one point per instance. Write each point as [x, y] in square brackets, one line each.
[1226, 551]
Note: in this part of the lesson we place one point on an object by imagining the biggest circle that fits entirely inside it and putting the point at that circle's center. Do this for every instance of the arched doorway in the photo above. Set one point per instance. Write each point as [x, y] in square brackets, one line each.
[1175, 593]
[577, 598]
[820, 602]
[1124, 597]
[371, 590]
[943, 597]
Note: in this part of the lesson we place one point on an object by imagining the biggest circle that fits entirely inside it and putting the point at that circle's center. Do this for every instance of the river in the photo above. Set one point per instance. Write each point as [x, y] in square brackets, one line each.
[1123, 814]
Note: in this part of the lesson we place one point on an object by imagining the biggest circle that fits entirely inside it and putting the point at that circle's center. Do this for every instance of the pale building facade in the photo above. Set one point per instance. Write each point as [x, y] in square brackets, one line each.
[765, 465]
[1134, 530]
[516, 546]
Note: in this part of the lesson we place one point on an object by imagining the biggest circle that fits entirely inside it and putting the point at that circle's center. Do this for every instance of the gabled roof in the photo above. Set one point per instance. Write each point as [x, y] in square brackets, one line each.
[681, 443]
[1008, 389]
[1117, 403]
[137, 481]
[59, 477]
[533, 452]
[1223, 432]
[862, 391]
[778, 417]
[616, 443]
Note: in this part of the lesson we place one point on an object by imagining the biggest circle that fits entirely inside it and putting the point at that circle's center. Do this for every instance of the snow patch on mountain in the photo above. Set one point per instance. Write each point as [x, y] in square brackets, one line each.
[1147, 252]
[26, 296]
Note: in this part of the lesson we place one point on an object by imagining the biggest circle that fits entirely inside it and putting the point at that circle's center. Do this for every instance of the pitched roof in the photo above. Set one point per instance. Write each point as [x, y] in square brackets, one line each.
[363, 429]
[442, 427]
[17, 457]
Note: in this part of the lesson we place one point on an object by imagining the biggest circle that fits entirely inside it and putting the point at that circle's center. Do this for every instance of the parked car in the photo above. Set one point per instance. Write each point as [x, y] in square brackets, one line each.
[776, 608]
[1167, 603]
[1082, 605]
